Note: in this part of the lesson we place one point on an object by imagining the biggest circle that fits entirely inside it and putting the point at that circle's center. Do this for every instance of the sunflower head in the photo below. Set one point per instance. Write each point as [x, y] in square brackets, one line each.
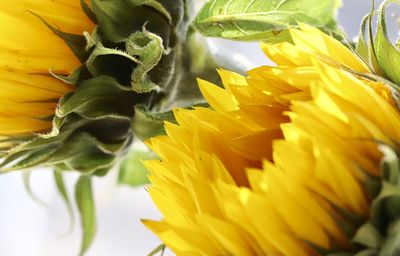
[73, 75]
[288, 161]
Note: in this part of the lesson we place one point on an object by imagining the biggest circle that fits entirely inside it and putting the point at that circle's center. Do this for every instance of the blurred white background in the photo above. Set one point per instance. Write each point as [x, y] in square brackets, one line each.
[28, 229]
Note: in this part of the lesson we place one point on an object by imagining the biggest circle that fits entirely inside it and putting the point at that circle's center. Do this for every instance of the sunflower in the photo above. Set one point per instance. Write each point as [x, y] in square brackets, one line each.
[283, 163]
[28, 50]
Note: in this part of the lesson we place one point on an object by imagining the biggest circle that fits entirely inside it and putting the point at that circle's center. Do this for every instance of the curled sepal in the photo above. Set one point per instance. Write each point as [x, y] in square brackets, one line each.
[85, 202]
[148, 47]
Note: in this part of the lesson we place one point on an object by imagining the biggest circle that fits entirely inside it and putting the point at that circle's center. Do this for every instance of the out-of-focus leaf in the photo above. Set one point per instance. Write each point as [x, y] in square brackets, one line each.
[146, 124]
[26, 176]
[132, 171]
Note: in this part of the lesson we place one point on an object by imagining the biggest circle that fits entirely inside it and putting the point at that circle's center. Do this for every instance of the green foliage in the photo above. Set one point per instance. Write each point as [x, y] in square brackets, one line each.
[263, 19]
[132, 171]
[147, 124]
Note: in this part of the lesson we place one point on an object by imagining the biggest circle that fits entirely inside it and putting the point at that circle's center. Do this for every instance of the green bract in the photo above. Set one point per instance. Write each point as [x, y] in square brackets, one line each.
[378, 51]
[380, 235]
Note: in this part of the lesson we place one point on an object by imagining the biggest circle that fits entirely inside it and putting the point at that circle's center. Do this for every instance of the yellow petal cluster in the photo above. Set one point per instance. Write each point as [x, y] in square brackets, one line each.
[28, 50]
[281, 160]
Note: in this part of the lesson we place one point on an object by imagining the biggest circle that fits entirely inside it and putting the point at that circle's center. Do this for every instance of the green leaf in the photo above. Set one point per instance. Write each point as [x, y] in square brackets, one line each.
[85, 202]
[263, 19]
[132, 171]
[387, 55]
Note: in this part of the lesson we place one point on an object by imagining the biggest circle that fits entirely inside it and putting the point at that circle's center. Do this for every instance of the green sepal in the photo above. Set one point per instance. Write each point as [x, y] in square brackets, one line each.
[88, 11]
[380, 235]
[149, 49]
[365, 44]
[362, 45]
[263, 20]
[92, 39]
[72, 146]
[116, 63]
[368, 236]
[71, 79]
[85, 202]
[117, 19]
[174, 11]
[387, 55]
[99, 98]
[155, 5]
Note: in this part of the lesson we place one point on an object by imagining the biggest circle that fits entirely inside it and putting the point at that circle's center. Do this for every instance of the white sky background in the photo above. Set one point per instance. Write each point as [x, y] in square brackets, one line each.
[28, 229]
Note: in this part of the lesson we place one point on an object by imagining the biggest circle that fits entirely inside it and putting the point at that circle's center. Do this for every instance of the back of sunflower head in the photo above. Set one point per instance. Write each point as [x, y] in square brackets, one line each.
[132, 56]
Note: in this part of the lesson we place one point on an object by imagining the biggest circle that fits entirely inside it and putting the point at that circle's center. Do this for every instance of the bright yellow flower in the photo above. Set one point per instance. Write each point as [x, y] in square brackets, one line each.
[28, 50]
[282, 160]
